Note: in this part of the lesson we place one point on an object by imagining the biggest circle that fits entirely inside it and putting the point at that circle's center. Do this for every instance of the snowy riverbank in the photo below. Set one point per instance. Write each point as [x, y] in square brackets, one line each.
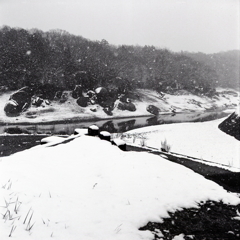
[167, 103]
[89, 189]
[200, 140]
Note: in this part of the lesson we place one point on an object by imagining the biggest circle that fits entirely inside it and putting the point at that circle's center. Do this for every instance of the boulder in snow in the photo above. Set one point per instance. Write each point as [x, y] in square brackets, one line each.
[102, 94]
[83, 101]
[104, 135]
[18, 101]
[93, 130]
[130, 107]
[126, 106]
[153, 109]
[120, 143]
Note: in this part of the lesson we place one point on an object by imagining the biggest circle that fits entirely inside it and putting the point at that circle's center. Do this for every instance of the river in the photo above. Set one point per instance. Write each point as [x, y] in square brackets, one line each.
[11, 143]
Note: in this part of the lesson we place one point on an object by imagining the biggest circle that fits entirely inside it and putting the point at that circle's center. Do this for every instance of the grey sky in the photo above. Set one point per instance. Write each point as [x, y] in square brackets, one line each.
[189, 25]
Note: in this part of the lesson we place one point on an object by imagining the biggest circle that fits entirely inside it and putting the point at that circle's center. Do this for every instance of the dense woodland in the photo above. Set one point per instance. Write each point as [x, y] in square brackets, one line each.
[33, 58]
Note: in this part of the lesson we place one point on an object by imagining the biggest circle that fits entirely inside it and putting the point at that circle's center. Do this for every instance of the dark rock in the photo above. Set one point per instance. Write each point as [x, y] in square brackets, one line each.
[126, 106]
[47, 102]
[231, 125]
[18, 101]
[15, 130]
[101, 93]
[108, 111]
[93, 130]
[37, 101]
[83, 101]
[109, 103]
[93, 109]
[120, 143]
[153, 109]
[11, 108]
[104, 135]
[77, 92]
[121, 106]
[130, 107]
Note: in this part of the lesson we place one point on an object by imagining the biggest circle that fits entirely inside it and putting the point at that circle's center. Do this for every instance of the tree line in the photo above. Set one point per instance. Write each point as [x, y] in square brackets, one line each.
[34, 57]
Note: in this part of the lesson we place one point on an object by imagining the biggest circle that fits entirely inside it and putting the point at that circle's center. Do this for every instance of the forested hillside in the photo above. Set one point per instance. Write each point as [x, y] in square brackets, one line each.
[33, 58]
[225, 64]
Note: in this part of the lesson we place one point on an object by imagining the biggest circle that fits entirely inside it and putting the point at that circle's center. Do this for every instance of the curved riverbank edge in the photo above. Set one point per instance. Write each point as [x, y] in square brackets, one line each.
[94, 118]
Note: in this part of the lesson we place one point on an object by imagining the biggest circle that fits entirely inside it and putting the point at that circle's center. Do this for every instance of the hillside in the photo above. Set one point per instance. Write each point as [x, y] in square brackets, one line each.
[225, 64]
[32, 58]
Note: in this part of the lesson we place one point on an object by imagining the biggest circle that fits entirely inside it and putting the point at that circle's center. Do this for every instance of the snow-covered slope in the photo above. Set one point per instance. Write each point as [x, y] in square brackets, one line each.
[167, 103]
[89, 189]
[200, 140]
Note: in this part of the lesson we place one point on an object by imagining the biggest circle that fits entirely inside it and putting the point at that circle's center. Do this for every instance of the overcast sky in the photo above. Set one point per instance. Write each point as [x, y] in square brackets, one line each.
[189, 25]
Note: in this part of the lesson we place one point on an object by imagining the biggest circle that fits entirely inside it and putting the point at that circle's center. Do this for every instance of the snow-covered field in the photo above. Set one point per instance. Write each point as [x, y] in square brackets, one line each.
[167, 103]
[199, 140]
[90, 189]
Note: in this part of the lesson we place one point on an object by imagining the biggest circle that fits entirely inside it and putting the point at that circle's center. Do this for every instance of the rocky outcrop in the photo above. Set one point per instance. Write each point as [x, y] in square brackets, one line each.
[18, 101]
[231, 125]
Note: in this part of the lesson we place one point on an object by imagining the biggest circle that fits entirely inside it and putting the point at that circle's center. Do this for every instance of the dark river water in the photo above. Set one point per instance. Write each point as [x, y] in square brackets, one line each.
[113, 125]
[12, 143]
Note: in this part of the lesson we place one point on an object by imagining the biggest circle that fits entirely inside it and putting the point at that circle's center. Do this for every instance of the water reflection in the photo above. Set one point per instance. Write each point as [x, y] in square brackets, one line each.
[114, 125]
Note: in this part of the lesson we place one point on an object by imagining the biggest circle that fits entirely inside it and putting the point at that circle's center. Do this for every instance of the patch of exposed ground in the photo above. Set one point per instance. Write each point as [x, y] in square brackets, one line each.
[211, 221]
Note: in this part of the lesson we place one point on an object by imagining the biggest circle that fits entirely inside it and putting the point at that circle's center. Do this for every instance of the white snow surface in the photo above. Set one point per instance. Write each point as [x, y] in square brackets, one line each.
[203, 140]
[89, 189]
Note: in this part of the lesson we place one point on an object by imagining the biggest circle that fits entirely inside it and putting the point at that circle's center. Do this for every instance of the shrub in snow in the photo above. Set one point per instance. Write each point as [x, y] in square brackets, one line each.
[58, 95]
[165, 146]
[120, 143]
[77, 92]
[47, 91]
[104, 135]
[93, 130]
[64, 97]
